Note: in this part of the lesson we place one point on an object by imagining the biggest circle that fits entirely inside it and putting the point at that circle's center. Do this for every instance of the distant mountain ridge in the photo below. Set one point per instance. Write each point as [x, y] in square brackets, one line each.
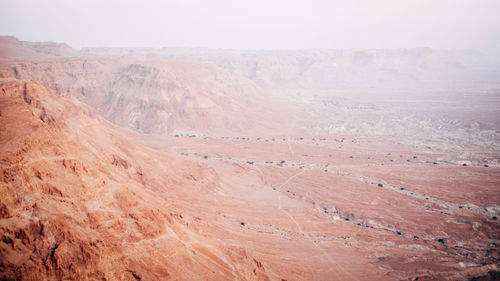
[309, 71]
[13, 48]
[328, 70]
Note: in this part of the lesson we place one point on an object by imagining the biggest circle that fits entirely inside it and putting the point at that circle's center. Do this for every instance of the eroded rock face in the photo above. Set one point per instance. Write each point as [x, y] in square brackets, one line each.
[158, 97]
[71, 208]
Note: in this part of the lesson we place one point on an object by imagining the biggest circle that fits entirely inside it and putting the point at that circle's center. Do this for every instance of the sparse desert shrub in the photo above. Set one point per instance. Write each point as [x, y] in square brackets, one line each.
[380, 185]
[441, 240]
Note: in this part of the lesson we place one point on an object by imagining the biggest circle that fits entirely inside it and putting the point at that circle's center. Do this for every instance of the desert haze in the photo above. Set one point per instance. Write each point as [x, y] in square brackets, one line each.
[220, 164]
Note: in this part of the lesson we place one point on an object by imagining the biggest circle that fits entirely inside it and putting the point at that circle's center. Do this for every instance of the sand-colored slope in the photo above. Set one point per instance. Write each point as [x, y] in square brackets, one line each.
[347, 202]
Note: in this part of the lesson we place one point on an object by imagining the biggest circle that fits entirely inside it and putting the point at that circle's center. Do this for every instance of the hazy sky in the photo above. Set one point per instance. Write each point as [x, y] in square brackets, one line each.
[261, 24]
